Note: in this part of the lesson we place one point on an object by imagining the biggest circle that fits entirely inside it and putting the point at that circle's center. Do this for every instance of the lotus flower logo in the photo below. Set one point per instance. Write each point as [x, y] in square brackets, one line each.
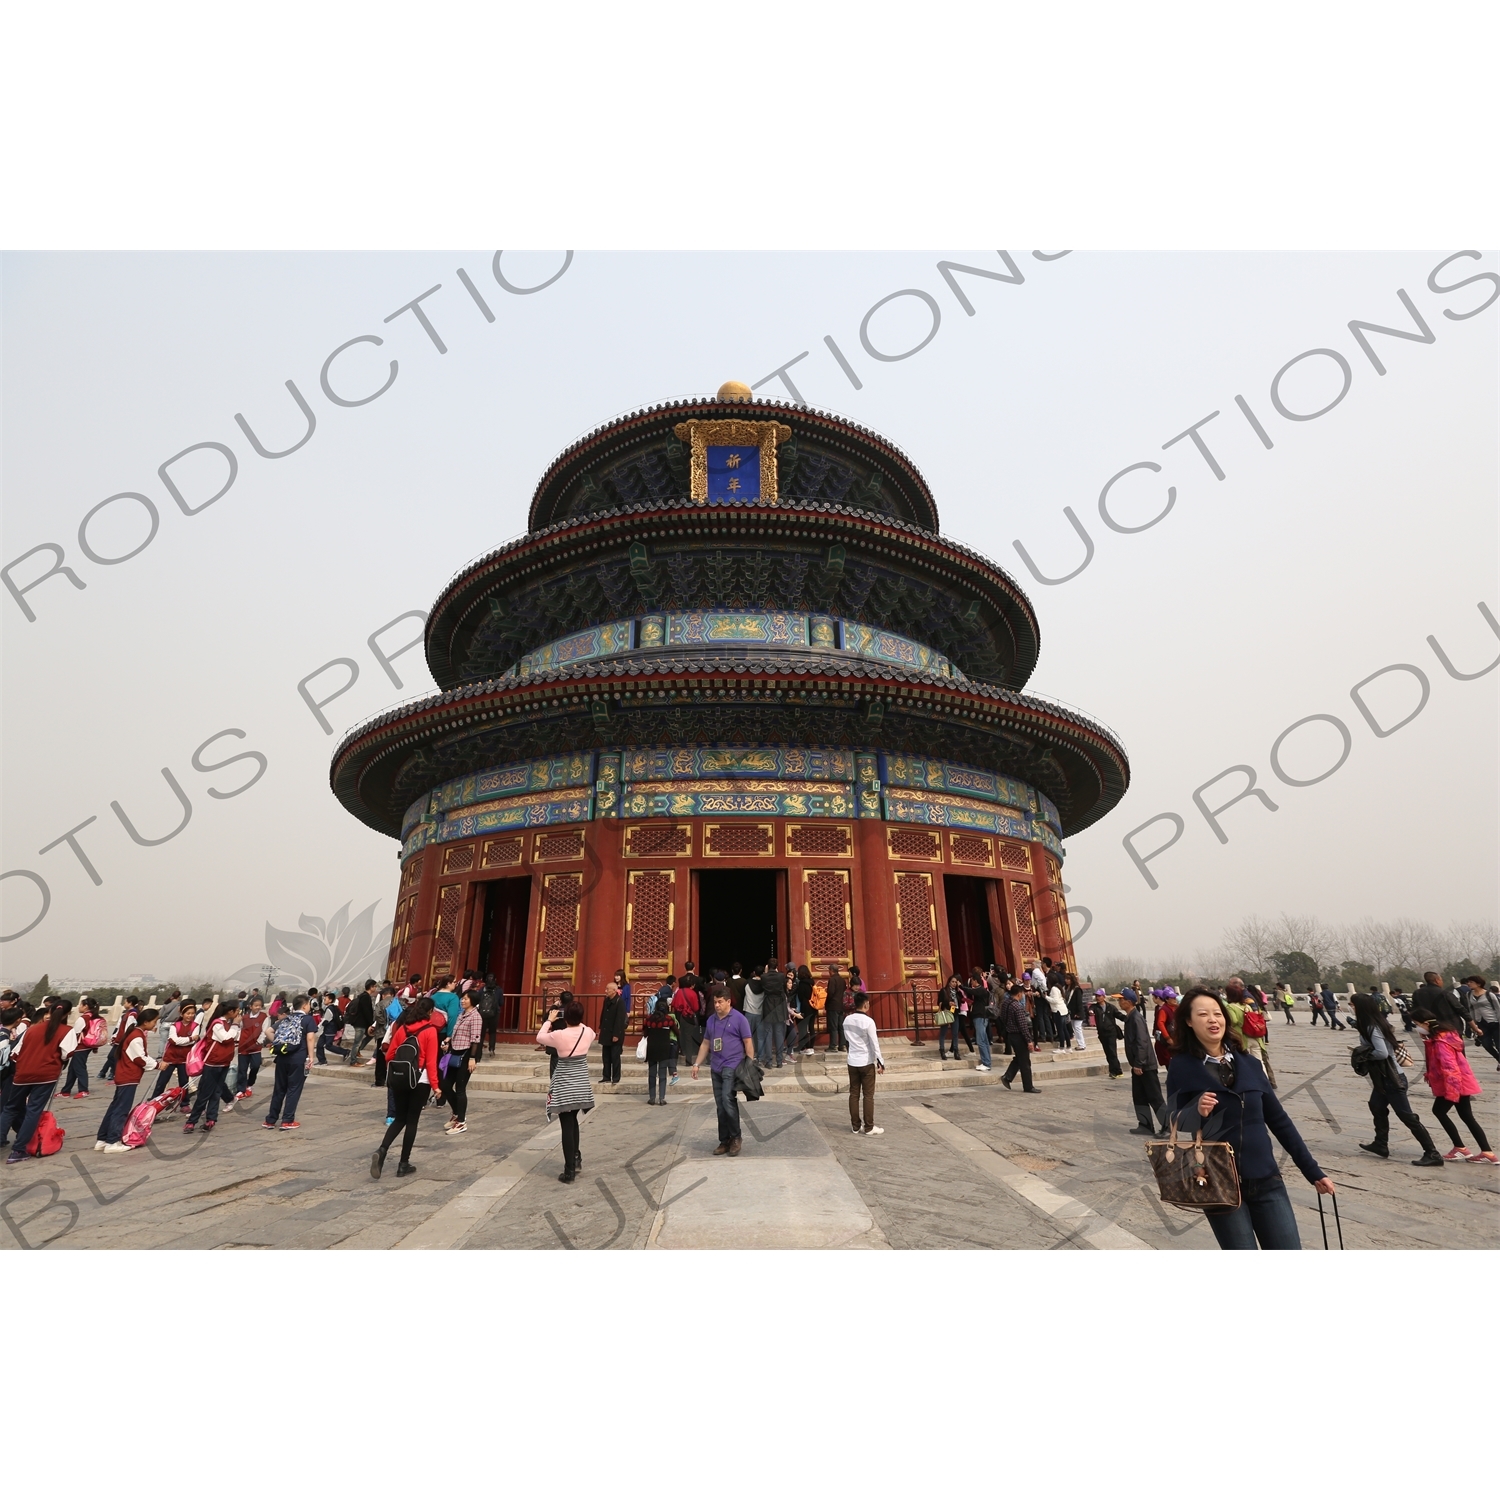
[342, 950]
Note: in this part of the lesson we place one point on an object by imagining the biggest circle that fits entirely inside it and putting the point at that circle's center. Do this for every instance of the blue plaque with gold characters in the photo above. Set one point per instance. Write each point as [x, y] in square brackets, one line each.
[733, 474]
[733, 461]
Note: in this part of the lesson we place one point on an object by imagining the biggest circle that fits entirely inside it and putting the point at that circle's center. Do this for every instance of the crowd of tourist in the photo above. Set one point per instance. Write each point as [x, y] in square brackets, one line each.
[1212, 1042]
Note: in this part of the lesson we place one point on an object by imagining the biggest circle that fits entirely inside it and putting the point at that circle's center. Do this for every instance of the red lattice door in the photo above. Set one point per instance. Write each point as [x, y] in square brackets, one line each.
[450, 911]
[1025, 914]
[916, 926]
[650, 920]
[827, 919]
[557, 933]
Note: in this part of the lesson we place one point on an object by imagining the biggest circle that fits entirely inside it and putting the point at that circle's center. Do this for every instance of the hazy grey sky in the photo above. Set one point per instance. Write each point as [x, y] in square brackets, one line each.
[1261, 599]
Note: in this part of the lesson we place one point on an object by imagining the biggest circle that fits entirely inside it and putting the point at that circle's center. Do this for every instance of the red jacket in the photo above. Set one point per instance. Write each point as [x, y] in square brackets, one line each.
[425, 1034]
[1449, 1075]
[685, 1001]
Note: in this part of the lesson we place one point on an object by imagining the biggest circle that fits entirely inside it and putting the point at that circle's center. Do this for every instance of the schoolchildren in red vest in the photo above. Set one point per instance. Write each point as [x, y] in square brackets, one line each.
[252, 1042]
[38, 1059]
[92, 1031]
[223, 1036]
[181, 1034]
[133, 1061]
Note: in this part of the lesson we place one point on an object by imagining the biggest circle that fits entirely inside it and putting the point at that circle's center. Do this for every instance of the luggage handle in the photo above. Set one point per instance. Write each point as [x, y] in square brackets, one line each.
[1323, 1220]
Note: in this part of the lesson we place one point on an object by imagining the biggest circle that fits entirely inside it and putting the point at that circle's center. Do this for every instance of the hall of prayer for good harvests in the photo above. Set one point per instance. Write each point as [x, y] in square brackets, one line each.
[731, 698]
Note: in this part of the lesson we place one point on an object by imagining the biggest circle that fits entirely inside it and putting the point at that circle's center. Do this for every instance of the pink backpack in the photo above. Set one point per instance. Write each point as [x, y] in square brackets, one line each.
[138, 1127]
[196, 1053]
[95, 1032]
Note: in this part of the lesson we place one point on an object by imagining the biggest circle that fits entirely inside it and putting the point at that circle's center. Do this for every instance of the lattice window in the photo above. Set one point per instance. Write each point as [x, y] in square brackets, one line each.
[501, 852]
[557, 937]
[1015, 856]
[458, 859]
[649, 921]
[972, 849]
[820, 840]
[722, 839]
[566, 844]
[658, 840]
[826, 915]
[560, 898]
[413, 871]
[916, 925]
[1020, 904]
[445, 938]
[914, 843]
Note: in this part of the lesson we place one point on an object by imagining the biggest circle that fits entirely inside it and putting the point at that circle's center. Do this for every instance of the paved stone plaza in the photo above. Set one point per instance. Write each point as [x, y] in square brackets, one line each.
[964, 1168]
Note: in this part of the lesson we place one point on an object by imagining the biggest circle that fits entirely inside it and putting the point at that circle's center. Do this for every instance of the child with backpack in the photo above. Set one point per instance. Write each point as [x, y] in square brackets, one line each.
[222, 1038]
[292, 1051]
[38, 1059]
[411, 1070]
[181, 1034]
[131, 1061]
[92, 1032]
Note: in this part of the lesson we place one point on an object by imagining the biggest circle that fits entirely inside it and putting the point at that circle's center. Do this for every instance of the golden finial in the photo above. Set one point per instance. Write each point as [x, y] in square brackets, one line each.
[735, 390]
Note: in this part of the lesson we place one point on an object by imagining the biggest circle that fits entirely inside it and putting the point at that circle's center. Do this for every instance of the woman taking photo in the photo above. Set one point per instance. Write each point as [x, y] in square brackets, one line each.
[1388, 1085]
[1214, 1087]
[1453, 1083]
[409, 1081]
[571, 1090]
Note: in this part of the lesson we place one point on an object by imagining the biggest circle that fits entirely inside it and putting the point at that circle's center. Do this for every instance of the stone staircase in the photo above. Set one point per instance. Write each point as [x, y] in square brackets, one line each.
[523, 1070]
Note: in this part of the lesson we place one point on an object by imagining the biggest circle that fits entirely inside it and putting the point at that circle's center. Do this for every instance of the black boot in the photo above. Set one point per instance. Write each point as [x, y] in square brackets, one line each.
[1377, 1147]
[1429, 1158]
[567, 1174]
[377, 1161]
[404, 1169]
[1424, 1140]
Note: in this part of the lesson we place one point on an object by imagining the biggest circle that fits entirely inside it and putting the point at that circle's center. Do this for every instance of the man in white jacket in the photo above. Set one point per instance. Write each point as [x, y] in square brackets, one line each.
[865, 1061]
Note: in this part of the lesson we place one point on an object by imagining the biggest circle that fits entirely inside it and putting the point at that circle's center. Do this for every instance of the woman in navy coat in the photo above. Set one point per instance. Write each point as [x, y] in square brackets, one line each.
[1213, 1086]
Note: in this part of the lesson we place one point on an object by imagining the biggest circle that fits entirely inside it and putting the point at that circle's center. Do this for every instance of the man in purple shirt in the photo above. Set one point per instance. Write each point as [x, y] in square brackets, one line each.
[726, 1044]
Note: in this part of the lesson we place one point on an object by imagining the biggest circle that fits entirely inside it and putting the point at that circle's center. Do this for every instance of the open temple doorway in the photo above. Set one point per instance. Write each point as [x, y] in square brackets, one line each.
[738, 919]
[502, 941]
[970, 940]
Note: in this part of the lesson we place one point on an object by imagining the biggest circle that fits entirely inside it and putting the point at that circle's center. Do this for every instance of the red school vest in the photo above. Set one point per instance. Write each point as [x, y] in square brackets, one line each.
[129, 1069]
[177, 1052]
[40, 1061]
[219, 1054]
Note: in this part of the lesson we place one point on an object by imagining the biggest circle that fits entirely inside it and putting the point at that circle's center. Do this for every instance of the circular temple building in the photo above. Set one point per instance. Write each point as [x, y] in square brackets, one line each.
[732, 697]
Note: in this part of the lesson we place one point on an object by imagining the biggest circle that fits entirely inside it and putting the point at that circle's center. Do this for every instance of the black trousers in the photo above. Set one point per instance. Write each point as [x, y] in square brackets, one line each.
[1384, 1103]
[1145, 1094]
[1465, 1108]
[612, 1051]
[409, 1104]
[569, 1121]
[491, 1026]
[1021, 1062]
[457, 1083]
[1111, 1053]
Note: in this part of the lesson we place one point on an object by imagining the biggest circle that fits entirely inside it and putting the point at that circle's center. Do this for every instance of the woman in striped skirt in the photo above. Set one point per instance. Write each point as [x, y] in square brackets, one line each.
[571, 1091]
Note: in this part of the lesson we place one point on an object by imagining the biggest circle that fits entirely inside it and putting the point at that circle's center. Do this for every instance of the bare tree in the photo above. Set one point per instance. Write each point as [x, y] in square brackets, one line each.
[1251, 944]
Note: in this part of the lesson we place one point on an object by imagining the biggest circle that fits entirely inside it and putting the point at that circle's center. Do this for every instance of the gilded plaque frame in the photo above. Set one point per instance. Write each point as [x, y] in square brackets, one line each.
[732, 432]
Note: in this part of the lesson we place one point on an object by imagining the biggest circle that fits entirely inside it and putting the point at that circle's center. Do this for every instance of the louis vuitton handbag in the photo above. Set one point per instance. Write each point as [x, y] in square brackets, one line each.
[1204, 1174]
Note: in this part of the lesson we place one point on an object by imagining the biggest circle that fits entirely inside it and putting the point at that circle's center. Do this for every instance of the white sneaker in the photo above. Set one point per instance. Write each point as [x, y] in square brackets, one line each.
[981, 1069]
[99, 1145]
[227, 1108]
[876, 1130]
[118, 1146]
[857, 1129]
